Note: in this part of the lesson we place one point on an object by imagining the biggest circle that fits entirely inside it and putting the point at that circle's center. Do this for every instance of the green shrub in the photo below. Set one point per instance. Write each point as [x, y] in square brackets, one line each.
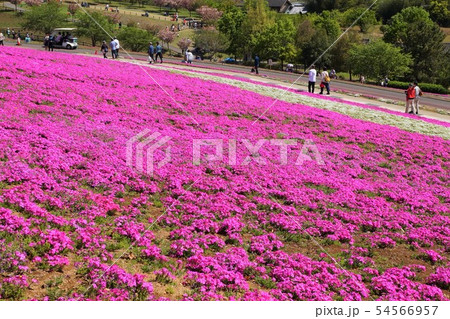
[426, 87]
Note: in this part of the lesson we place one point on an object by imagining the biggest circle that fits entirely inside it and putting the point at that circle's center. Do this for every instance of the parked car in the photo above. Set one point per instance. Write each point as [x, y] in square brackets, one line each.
[229, 60]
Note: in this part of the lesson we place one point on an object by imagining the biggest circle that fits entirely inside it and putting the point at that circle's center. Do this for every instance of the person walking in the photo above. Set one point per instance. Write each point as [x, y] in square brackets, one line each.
[257, 64]
[151, 53]
[410, 95]
[46, 42]
[362, 79]
[117, 47]
[112, 45]
[418, 93]
[51, 43]
[104, 49]
[325, 81]
[312, 79]
[2, 38]
[190, 57]
[8, 33]
[159, 52]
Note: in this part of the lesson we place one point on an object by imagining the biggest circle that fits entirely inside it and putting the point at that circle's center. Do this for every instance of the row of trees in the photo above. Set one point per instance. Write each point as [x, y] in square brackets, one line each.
[411, 44]
[386, 9]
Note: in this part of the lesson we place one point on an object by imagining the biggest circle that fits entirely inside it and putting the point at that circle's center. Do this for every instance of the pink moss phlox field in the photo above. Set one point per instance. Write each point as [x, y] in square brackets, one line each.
[370, 223]
[317, 96]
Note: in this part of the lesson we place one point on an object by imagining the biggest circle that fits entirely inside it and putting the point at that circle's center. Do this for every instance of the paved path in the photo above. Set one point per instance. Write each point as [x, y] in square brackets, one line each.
[285, 79]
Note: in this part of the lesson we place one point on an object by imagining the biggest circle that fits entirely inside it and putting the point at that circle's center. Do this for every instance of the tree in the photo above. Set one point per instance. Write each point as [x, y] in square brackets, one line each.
[210, 41]
[96, 28]
[277, 41]
[340, 52]
[258, 17]
[378, 59]
[135, 39]
[32, 2]
[366, 20]
[209, 15]
[166, 36]
[184, 44]
[386, 9]
[230, 24]
[328, 22]
[313, 50]
[44, 18]
[15, 3]
[415, 33]
[73, 8]
[175, 4]
[314, 36]
[341, 5]
[190, 5]
[439, 13]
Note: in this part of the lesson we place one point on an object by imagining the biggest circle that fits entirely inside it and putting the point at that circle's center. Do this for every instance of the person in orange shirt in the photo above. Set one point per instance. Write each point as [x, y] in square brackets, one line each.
[410, 96]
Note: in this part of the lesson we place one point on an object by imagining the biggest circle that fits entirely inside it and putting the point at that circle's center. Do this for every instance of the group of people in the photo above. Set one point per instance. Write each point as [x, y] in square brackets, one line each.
[11, 33]
[49, 42]
[155, 52]
[413, 94]
[324, 83]
[115, 47]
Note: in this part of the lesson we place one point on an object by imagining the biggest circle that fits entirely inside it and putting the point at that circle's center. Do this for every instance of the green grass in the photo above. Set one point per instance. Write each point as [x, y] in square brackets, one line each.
[9, 19]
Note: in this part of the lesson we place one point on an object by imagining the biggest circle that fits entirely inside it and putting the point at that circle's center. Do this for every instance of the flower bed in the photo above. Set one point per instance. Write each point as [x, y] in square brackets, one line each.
[370, 222]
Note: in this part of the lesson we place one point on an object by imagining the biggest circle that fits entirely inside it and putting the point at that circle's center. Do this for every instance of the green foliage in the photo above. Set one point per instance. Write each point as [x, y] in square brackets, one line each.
[386, 9]
[258, 18]
[440, 13]
[211, 41]
[426, 87]
[96, 26]
[44, 18]
[135, 39]
[328, 21]
[313, 42]
[364, 23]
[414, 32]
[378, 59]
[340, 52]
[276, 41]
[230, 24]
[10, 291]
[341, 5]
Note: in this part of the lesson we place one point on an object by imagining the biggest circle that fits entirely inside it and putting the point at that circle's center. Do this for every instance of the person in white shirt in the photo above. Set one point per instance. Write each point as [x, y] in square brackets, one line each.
[325, 81]
[417, 97]
[312, 79]
[117, 47]
[112, 45]
[190, 57]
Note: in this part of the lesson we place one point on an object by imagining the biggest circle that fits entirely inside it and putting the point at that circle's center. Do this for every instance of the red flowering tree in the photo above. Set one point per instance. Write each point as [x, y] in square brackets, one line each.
[73, 8]
[209, 15]
[190, 5]
[184, 44]
[166, 36]
[33, 2]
